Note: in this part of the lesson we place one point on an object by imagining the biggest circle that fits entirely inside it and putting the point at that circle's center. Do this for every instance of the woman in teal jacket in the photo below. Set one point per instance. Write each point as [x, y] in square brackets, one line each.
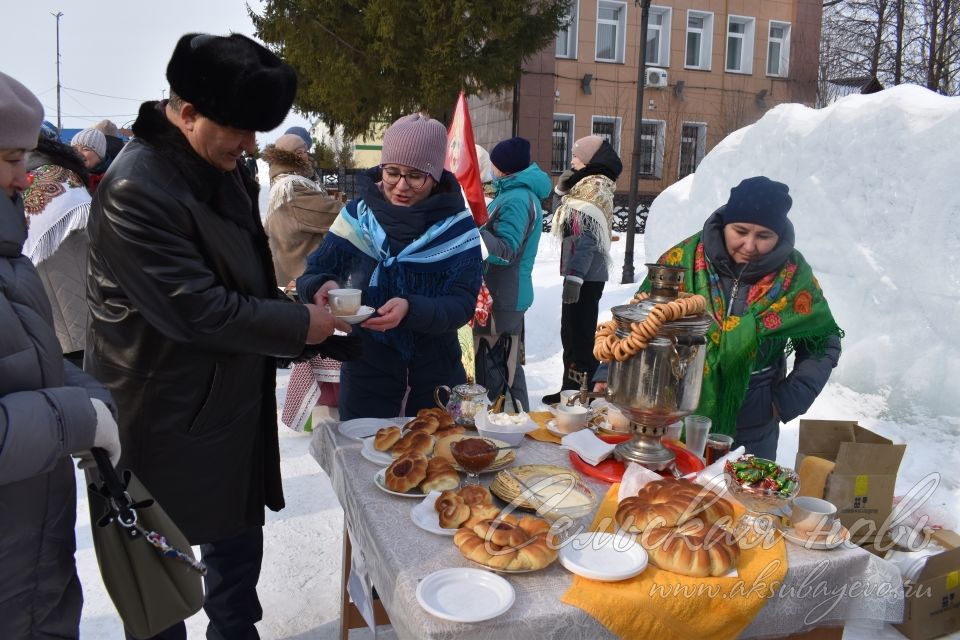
[511, 238]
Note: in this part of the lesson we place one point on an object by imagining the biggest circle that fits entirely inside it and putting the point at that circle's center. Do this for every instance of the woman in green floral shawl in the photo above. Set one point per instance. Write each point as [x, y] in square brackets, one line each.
[765, 303]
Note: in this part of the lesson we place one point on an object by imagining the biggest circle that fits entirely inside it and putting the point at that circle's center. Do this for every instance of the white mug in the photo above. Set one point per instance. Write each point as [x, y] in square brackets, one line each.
[813, 516]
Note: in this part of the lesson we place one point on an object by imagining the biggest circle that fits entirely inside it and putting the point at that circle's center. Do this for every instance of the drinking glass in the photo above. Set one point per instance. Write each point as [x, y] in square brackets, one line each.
[718, 445]
[695, 430]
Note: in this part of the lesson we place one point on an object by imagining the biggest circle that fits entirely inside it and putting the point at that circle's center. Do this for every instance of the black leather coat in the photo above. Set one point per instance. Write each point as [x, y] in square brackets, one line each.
[186, 323]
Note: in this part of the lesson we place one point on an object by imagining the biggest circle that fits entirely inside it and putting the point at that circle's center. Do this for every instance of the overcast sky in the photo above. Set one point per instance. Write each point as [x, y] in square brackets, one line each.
[117, 48]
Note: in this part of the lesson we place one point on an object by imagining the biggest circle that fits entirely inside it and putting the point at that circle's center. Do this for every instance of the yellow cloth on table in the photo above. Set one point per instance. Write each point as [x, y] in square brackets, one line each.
[541, 434]
[813, 472]
[664, 605]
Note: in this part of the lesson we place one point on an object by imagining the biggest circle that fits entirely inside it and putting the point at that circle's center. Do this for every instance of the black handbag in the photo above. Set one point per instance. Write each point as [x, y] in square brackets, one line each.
[146, 563]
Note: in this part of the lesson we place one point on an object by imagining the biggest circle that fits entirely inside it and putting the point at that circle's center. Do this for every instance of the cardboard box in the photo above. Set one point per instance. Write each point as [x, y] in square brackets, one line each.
[932, 603]
[864, 474]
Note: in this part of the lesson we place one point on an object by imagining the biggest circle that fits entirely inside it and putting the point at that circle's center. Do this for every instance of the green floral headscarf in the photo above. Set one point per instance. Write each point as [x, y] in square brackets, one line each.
[785, 309]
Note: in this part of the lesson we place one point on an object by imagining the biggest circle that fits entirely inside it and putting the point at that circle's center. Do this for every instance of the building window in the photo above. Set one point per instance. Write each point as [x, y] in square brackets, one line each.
[778, 49]
[693, 141]
[567, 37]
[562, 142]
[651, 148]
[608, 128]
[740, 32]
[658, 37]
[699, 40]
[611, 26]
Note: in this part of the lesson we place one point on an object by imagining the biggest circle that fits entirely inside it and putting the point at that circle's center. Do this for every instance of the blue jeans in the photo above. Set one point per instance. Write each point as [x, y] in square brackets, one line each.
[230, 586]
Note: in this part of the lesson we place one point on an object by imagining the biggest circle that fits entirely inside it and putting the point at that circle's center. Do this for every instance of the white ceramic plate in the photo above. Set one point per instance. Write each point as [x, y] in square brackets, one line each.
[360, 428]
[465, 595]
[382, 458]
[425, 516]
[380, 480]
[817, 544]
[606, 557]
[362, 314]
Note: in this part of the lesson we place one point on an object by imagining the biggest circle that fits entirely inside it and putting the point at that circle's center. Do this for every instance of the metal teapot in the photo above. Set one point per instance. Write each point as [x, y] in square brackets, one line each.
[464, 401]
[661, 383]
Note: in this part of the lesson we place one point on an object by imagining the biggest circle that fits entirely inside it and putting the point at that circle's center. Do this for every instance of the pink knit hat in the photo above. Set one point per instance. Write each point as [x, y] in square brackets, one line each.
[416, 141]
[586, 148]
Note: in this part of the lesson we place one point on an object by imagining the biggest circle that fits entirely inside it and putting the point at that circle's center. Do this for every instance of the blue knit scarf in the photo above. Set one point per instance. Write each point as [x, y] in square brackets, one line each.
[427, 266]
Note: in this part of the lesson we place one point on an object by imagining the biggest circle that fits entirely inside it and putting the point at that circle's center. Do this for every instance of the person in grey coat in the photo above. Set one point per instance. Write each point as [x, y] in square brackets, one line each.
[49, 410]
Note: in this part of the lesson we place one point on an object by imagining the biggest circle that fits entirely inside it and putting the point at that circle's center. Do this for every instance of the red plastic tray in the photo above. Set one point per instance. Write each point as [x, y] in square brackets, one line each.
[611, 470]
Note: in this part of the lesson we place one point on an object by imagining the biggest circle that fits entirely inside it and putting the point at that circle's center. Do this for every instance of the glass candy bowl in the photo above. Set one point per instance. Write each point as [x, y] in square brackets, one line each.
[763, 505]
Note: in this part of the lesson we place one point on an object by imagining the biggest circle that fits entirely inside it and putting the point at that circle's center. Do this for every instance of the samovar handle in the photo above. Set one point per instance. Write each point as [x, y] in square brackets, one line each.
[678, 364]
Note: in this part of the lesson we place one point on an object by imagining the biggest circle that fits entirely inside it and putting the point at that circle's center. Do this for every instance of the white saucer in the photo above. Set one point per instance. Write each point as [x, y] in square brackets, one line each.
[552, 428]
[465, 595]
[606, 557]
[425, 516]
[362, 314]
[360, 428]
[380, 480]
[818, 544]
[382, 458]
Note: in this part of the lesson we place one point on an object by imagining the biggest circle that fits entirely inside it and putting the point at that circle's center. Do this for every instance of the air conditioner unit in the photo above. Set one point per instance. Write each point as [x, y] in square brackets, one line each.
[655, 77]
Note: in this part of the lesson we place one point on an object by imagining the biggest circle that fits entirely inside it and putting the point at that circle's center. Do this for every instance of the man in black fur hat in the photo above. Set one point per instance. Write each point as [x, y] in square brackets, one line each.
[186, 318]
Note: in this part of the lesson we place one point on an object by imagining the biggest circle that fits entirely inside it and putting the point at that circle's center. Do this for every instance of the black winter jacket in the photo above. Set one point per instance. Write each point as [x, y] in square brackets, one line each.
[186, 323]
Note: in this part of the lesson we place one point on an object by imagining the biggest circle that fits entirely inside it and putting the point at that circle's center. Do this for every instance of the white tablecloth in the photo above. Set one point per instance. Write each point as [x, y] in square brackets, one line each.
[821, 588]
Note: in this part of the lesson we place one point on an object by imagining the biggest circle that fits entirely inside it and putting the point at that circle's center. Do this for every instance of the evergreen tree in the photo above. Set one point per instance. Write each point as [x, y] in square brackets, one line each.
[359, 60]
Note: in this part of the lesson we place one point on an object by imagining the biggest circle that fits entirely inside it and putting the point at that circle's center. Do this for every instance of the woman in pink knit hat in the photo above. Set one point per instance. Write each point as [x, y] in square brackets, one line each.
[583, 224]
[410, 244]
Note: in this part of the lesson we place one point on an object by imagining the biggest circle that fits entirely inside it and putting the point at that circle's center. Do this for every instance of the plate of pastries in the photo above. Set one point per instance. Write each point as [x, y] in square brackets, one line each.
[507, 543]
[683, 527]
[455, 508]
[413, 475]
[420, 433]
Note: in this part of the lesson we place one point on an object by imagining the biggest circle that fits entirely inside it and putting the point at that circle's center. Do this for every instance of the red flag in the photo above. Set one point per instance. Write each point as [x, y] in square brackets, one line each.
[462, 160]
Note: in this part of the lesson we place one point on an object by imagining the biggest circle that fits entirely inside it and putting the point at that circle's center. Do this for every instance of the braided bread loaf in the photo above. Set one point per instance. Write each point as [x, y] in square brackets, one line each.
[508, 543]
[669, 503]
[692, 551]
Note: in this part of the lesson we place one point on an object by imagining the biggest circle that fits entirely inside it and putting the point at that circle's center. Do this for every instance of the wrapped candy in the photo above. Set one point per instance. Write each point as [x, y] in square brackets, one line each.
[760, 473]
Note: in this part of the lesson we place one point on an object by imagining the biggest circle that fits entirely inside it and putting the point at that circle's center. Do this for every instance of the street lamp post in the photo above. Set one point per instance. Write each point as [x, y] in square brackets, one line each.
[628, 273]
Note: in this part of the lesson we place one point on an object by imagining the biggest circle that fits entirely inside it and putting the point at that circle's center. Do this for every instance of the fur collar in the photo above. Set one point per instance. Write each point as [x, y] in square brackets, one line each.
[232, 194]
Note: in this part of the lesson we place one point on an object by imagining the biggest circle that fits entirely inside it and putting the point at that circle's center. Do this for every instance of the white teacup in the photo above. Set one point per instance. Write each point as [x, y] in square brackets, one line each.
[344, 302]
[814, 517]
[570, 419]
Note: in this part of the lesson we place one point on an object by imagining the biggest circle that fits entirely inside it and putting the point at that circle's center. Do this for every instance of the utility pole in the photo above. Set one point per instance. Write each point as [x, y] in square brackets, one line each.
[58, 15]
[628, 273]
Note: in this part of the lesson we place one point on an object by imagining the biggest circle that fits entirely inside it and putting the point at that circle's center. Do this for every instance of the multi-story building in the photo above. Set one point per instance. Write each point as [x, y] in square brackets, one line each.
[712, 67]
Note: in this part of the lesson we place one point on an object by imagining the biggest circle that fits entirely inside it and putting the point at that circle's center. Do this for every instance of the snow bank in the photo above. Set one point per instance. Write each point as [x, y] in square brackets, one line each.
[876, 208]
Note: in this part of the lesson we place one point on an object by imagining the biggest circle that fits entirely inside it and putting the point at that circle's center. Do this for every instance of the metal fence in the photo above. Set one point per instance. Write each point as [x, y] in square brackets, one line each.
[620, 210]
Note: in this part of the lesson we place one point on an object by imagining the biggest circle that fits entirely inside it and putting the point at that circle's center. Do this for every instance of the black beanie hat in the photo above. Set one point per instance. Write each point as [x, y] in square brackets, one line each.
[759, 200]
[233, 80]
[511, 156]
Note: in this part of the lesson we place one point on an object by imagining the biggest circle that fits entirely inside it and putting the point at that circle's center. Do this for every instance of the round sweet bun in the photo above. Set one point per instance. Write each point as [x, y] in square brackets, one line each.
[386, 438]
[440, 476]
[406, 472]
[451, 509]
[414, 442]
[427, 424]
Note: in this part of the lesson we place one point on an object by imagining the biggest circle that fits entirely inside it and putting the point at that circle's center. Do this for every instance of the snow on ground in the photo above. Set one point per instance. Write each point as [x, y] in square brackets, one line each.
[874, 200]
